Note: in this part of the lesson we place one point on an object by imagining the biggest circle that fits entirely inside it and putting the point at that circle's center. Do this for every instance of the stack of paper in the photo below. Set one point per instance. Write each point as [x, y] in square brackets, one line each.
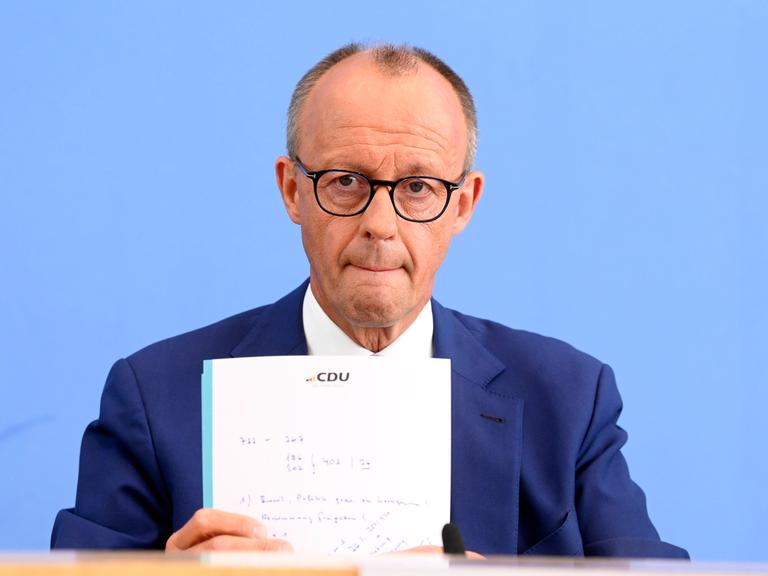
[337, 455]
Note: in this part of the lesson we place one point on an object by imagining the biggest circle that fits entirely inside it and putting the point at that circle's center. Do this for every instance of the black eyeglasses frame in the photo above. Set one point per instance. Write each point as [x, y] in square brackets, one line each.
[391, 186]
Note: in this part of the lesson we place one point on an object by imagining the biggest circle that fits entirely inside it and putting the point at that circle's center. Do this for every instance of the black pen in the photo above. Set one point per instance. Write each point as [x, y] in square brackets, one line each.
[453, 543]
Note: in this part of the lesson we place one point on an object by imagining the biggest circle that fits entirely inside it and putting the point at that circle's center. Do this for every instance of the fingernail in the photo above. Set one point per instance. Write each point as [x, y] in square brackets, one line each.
[259, 531]
[284, 546]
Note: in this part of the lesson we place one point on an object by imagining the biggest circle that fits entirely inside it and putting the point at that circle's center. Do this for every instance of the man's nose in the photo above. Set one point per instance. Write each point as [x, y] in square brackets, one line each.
[380, 219]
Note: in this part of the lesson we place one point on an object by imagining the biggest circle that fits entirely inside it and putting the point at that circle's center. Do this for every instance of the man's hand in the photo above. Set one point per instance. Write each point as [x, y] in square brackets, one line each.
[210, 529]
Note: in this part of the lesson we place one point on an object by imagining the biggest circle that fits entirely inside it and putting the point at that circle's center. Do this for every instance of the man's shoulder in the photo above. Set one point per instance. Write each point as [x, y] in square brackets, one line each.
[215, 340]
[232, 336]
[534, 357]
[504, 339]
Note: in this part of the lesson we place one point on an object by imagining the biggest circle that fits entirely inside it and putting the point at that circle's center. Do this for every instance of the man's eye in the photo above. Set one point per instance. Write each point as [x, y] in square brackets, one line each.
[415, 186]
[418, 187]
[346, 180]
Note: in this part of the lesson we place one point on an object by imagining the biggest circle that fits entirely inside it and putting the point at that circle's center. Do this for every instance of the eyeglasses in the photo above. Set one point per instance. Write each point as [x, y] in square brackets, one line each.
[347, 193]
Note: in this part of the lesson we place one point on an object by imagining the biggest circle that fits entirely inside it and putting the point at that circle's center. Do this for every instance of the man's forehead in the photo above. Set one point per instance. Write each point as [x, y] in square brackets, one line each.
[356, 103]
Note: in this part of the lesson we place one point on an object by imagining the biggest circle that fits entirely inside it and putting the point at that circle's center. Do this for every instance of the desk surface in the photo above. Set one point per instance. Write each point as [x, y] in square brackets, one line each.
[159, 563]
[260, 564]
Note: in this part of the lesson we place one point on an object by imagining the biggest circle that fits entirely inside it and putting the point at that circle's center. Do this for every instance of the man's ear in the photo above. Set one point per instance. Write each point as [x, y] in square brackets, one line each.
[286, 180]
[468, 197]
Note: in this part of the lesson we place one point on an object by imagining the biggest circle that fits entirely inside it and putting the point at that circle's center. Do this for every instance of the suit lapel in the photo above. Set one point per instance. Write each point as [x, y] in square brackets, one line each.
[486, 443]
[279, 330]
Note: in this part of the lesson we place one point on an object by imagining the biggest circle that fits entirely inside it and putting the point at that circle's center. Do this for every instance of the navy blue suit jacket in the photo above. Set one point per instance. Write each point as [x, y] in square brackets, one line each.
[543, 475]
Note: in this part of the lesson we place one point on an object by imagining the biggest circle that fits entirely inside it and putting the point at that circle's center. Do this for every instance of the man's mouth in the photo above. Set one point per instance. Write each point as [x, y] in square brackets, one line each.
[375, 267]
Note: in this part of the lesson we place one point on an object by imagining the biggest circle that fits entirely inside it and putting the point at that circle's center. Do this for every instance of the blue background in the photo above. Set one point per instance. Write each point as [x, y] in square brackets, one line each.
[625, 146]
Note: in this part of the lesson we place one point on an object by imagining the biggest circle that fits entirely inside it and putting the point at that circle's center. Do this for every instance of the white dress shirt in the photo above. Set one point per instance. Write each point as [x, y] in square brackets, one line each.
[325, 338]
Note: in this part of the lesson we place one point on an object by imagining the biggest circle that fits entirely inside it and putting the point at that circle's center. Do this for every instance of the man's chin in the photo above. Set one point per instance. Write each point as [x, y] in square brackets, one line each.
[374, 311]
[372, 319]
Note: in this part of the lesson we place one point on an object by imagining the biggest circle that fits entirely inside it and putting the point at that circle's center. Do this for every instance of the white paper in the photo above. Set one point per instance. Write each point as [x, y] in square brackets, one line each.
[337, 455]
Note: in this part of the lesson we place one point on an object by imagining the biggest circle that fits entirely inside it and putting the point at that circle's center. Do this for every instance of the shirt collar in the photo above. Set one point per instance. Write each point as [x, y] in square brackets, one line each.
[325, 338]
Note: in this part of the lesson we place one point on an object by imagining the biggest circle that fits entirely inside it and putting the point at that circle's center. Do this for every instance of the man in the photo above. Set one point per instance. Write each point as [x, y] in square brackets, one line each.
[379, 176]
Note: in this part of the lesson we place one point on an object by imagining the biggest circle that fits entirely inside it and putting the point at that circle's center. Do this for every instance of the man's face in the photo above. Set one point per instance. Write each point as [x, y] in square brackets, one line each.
[376, 270]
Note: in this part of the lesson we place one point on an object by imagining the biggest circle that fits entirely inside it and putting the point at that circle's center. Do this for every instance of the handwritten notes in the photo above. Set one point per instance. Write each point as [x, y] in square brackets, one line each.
[337, 455]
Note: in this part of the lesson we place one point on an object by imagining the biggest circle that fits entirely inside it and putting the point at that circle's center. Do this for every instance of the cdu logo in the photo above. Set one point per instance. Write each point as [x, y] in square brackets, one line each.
[329, 377]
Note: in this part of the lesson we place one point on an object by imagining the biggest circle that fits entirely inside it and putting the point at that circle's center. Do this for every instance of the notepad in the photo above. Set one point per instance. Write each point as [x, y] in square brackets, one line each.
[337, 455]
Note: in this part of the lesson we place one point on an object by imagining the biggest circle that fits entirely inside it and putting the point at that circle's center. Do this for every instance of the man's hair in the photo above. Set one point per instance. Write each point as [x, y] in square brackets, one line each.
[391, 59]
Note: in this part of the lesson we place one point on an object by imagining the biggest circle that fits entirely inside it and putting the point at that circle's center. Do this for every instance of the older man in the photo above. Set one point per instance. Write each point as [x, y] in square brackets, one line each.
[379, 176]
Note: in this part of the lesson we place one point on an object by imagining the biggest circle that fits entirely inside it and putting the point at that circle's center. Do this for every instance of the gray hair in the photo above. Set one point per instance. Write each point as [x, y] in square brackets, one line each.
[391, 59]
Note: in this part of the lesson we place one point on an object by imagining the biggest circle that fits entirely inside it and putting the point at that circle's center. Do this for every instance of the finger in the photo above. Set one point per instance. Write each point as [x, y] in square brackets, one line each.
[475, 556]
[208, 523]
[420, 550]
[232, 543]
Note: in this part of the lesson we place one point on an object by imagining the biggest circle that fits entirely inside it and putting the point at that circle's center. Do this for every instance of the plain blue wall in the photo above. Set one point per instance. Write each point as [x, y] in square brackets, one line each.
[625, 149]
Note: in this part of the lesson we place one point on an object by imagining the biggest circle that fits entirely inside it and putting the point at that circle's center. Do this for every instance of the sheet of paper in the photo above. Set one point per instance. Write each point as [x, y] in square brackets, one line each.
[338, 455]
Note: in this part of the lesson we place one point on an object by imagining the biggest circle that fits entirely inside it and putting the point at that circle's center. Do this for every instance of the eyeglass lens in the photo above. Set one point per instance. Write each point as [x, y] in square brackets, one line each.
[419, 198]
